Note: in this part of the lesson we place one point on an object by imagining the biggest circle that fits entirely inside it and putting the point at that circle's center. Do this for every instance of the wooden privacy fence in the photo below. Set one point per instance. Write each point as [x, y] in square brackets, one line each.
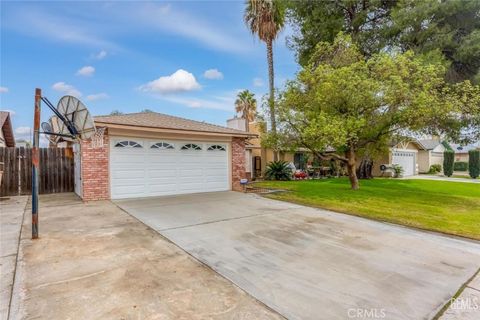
[56, 172]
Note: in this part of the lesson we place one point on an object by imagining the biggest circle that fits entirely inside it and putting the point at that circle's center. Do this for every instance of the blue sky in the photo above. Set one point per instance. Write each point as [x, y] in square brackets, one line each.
[130, 56]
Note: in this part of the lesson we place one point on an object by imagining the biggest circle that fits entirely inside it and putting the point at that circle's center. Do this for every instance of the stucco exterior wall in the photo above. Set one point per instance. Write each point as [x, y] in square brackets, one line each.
[423, 161]
[436, 158]
[461, 157]
[382, 159]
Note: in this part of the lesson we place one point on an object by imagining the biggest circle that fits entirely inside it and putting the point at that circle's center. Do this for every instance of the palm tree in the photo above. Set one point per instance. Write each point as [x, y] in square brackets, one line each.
[266, 18]
[246, 106]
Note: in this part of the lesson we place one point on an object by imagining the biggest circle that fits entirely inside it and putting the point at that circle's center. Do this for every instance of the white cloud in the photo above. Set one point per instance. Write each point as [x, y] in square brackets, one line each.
[3, 89]
[258, 82]
[99, 24]
[34, 21]
[66, 89]
[166, 18]
[200, 103]
[223, 102]
[86, 71]
[179, 81]
[97, 96]
[213, 74]
[23, 131]
[100, 55]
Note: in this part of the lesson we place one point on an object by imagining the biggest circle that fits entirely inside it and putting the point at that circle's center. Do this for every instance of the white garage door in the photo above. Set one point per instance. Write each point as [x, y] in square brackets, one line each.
[406, 159]
[144, 167]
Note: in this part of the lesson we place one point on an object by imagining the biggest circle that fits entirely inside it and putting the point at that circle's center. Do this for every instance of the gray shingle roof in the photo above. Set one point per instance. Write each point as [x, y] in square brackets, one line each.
[430, 144]
[164, 121]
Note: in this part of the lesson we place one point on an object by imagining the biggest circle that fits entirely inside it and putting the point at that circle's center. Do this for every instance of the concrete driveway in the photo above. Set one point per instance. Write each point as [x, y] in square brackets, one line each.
[94, 261]
[307, 263]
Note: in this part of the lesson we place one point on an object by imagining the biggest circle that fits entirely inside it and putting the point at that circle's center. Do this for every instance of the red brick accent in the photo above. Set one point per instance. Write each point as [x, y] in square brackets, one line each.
[95, 179]
[238, 163]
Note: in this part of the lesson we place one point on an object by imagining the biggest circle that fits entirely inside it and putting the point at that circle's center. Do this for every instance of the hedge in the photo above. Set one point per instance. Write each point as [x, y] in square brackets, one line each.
[448, 160]
[460, 166]
[474, 163]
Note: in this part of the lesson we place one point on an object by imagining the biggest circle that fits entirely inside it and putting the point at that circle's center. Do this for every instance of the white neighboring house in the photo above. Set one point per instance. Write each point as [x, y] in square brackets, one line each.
[431, 154]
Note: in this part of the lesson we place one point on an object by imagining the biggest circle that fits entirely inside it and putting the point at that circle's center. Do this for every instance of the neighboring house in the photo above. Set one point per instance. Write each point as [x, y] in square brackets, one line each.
[153, 154]
[415, 156]
[431, 154]
[461, 151]
[6, 130]
[405, 154]
[23, 143]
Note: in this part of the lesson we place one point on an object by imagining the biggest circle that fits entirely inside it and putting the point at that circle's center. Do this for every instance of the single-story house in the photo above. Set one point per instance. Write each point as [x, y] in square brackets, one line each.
[431, 154]
[415, 156]
[153, 154]
[6, 130]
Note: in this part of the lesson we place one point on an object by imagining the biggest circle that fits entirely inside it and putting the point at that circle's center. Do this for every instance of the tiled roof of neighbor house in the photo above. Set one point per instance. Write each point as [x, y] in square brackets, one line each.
[164, 121]
[430, 144]
[6, 127]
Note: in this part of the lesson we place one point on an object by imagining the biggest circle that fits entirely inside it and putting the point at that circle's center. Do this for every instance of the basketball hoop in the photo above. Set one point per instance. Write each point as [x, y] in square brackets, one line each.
[71, 122]
[97, 138]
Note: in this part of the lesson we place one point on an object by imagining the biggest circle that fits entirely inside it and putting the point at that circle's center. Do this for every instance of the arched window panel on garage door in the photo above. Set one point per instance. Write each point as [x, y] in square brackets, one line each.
[127, 144]
[162, 146]
[216, 147]
[191, 146]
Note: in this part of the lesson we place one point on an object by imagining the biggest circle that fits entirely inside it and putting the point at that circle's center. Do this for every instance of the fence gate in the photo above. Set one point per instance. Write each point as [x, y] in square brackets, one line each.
[56, 171]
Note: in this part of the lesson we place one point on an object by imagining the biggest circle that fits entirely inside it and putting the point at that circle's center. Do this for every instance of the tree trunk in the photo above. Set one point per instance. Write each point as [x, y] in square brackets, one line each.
[352, 170]
[365, 169]
[271, 99]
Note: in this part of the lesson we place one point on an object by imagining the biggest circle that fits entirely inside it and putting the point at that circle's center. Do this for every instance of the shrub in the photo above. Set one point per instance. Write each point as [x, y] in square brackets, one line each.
[448, 160]
[435, 168]
[397, 170]
[460, 166]
[300, 175]
[278, 170]
[474, 163]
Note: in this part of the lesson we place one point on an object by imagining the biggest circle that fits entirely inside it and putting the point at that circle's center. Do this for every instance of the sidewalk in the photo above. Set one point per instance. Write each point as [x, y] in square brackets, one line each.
[442, 178]
[467, 305]
[11, 214]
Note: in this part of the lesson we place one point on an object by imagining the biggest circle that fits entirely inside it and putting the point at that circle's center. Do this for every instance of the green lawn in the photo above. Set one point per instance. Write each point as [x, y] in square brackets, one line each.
[449, 207]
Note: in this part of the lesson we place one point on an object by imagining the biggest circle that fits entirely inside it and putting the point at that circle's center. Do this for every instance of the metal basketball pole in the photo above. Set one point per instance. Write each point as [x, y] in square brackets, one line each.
[35, 162]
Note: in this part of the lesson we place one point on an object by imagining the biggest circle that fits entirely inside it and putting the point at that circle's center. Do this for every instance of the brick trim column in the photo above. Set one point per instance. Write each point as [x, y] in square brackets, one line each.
[95, 170]
[238, 163]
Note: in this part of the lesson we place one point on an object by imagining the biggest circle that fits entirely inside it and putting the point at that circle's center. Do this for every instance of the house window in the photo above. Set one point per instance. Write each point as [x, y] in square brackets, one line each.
[162, 146]
[216, 147]
[191, 146]
[127, 144]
